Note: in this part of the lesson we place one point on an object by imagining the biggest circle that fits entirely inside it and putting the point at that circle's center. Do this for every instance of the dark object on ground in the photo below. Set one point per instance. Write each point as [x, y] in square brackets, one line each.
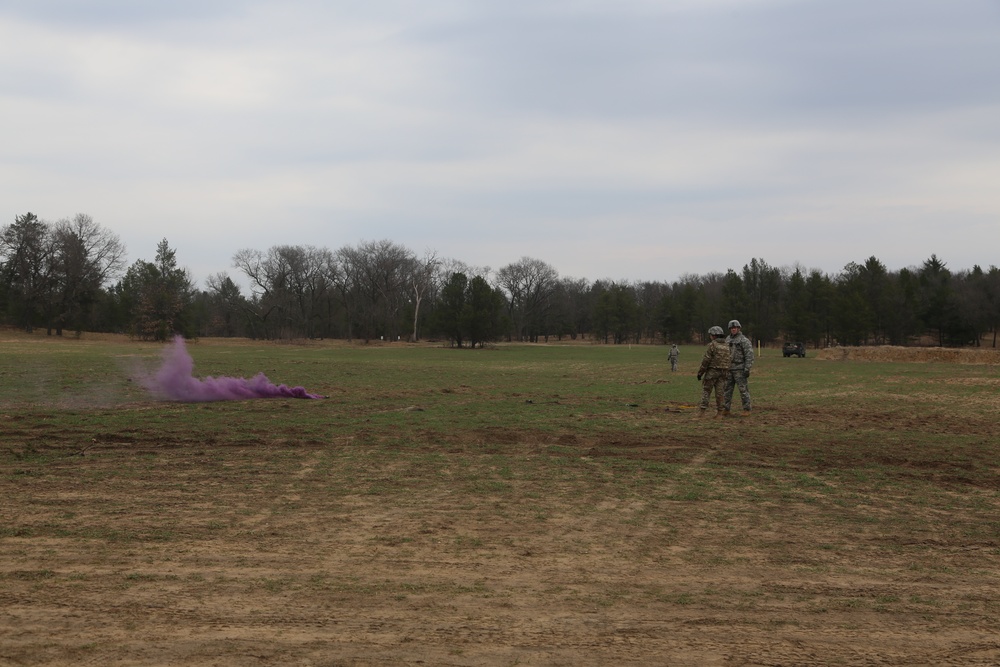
[798, 349]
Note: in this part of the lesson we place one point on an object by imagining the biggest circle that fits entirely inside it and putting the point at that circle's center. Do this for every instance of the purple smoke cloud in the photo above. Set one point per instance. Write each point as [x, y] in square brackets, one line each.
[174, 381]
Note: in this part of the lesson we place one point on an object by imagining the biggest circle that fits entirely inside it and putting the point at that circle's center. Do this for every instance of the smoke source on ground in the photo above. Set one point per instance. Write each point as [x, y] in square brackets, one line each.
[175, 381]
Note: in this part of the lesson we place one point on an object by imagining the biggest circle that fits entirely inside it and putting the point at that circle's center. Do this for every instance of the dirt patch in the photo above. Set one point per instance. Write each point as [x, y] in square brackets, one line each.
[520, 547]
[892, 353]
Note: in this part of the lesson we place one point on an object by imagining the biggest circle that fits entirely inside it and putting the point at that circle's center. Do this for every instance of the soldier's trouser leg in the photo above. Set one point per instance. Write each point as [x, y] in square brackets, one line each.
[728, 391]
[719, 384]
[706, 392]
[741, 384]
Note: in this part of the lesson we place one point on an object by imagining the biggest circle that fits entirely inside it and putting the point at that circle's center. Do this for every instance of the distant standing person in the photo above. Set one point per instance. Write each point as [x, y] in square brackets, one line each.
[714, 370]
[741, 361]
[673, 355]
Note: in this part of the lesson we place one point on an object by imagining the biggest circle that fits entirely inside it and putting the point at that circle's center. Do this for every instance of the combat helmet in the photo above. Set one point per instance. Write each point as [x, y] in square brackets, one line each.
[716, 331]
[735, 323]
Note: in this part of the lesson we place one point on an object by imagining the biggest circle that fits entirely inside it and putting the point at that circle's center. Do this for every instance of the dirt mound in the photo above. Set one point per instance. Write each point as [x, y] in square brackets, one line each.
[890, 353]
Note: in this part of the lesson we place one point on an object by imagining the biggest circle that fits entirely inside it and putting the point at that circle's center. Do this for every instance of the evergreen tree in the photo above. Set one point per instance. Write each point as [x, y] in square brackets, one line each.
[156, 296]
[485, 307]
[796, 314]
[452, 312]
[26, 261]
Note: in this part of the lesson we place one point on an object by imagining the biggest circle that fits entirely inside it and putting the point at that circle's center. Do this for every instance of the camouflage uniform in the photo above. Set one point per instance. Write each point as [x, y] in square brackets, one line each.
[739, 367]
[672, 356]
[713, 370]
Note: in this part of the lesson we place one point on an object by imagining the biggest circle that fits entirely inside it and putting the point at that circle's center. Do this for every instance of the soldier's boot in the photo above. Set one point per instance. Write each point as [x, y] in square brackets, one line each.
[724, 413]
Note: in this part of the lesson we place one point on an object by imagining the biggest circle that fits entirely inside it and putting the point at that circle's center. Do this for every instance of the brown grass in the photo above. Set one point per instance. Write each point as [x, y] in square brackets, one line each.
[893, 353]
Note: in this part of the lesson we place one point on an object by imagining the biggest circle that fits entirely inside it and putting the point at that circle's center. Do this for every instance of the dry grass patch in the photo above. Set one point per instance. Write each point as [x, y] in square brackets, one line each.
[892, 353]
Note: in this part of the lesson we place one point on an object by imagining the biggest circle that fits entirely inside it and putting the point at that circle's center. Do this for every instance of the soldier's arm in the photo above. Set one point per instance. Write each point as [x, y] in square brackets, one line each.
[705, 362]
[748, 354]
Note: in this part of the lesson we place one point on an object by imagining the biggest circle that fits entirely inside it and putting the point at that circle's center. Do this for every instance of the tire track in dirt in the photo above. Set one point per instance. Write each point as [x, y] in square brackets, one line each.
[308, 466]
[696, 463]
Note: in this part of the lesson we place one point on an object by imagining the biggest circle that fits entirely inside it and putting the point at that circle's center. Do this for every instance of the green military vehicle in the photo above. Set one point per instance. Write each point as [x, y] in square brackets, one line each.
[794, 349]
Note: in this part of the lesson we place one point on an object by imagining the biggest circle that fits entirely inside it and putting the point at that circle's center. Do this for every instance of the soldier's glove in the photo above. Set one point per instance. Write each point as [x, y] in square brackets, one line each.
[699, 377]
[746, 374]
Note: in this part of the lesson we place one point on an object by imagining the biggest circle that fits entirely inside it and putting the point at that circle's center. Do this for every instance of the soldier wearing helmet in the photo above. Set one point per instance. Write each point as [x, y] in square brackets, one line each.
[741, 361]
[713, 370]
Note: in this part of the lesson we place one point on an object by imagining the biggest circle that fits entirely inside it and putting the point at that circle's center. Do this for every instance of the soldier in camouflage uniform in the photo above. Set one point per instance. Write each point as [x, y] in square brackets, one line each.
[672, 356]
[741, 351]
[713, 370]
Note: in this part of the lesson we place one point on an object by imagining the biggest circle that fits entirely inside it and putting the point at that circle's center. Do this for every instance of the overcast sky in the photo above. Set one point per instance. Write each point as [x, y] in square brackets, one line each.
[622, 139]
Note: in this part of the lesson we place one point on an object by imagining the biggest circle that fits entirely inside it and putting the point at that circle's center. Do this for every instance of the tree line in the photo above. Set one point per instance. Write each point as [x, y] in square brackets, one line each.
[72, 275]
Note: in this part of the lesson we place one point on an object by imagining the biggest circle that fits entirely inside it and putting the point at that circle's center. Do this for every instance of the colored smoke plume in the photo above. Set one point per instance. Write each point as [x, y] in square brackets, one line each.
[174, 381]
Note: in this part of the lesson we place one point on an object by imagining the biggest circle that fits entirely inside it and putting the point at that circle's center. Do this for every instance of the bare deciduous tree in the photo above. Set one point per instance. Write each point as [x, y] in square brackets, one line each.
[289, 285]
[422, 273]
[383, 271]
[528, 284]
[85, 257]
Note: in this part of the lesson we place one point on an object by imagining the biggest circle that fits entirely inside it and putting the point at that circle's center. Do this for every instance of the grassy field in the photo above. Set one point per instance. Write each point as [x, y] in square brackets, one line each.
[532, 505]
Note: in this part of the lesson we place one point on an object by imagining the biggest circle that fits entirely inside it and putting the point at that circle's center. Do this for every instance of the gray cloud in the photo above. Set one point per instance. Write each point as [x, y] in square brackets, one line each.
[610, 139]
